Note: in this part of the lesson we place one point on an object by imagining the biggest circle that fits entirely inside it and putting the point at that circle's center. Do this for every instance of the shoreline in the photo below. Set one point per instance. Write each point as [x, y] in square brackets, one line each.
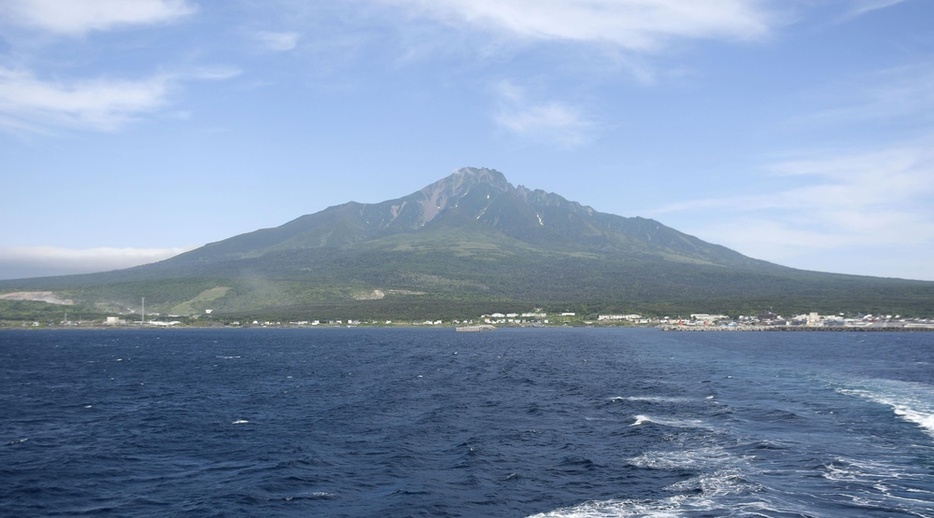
[792, 329]
[459, 328]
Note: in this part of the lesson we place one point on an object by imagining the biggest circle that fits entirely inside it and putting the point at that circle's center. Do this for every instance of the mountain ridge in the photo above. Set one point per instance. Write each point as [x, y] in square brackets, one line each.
[469, 198]
[469, 241]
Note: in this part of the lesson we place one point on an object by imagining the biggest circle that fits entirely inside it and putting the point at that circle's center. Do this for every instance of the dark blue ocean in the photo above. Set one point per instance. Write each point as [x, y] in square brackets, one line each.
[511, 423]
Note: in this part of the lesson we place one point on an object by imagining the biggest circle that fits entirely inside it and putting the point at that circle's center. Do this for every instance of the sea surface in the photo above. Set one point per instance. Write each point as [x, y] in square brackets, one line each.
[429, 422]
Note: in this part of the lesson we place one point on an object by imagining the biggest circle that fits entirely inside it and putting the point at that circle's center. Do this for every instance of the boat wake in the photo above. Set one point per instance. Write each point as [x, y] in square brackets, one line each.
[910, 401]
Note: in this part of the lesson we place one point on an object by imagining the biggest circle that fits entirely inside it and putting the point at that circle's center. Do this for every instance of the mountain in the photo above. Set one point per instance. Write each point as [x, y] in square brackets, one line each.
[471, 206]
[471, 243]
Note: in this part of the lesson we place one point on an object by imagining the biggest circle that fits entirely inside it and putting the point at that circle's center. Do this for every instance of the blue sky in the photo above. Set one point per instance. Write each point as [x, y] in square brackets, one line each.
[796, 131]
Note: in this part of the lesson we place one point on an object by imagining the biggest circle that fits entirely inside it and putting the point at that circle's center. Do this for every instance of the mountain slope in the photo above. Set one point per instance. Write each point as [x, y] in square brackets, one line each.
[473, 201]
[468, 243]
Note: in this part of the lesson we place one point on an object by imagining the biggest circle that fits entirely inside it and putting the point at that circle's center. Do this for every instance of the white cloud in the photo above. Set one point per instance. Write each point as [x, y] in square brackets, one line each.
[77, 17]
[277, 41]
[846, 205]
[20, 262]
[551, 121]
[904, 92]
[35, 100]
[637, 25]
[102, 104]
[99, 104]
[208, 74]
[860, 7]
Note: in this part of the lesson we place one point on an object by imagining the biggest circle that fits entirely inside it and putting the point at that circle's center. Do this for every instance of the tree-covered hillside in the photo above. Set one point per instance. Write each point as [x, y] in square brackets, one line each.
[472, 243]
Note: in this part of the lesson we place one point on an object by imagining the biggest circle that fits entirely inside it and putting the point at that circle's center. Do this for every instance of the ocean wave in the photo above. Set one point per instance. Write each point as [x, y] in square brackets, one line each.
[910, 401]
[655, 399]
[877, 483]
[722, 487]
[247, 440]
[716, 483]
[848, 469]
[618, 508]
[712, 457]
[315, 495]
[678, 505]
[672, 422]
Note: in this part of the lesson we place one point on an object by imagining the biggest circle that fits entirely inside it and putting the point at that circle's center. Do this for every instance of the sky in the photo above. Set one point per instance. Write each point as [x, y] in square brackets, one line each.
[800, 132]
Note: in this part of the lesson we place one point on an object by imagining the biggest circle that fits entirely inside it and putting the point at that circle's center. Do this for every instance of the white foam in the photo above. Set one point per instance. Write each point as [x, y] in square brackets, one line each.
[716, 483]
[642, 419]
[923, 419]
[848, 469]
[712, 457]
[240, 421]
[668, 507]
[671, 507]
[317, 495]
[910, 401]
[654, 399]
[721, 489]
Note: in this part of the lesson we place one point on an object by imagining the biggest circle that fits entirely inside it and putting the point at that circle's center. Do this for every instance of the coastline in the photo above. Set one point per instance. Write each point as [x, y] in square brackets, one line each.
[825, 329]
[485, 328]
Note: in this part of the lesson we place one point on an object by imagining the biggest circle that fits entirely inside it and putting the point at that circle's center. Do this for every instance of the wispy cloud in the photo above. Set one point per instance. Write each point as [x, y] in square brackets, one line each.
[19, 262]
[899, 92]
[636, 25]
[600, 37]
[551, 121]
[38, 102]
[103, 104]
[277, 41]
[77, 17]
[867, 200]
[100, 104]
[861, 7]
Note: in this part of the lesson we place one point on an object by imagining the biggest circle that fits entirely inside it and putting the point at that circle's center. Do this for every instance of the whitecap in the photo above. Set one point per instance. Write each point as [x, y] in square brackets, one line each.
[712, 457]
[641, 419]
[654, 399]
[671, 507]
[848, 469]
[910, 401]
[722, 488]
[671, 422]
[316, 495]
[619, 508]
[240, 421]
[717, 483]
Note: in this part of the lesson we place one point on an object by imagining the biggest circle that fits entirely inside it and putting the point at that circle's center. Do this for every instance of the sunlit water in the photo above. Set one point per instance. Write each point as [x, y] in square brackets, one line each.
[361, 422]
